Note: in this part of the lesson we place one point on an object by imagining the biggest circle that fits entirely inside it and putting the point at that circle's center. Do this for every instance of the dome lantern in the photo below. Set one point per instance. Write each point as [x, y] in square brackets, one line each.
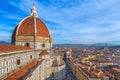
[34, 11]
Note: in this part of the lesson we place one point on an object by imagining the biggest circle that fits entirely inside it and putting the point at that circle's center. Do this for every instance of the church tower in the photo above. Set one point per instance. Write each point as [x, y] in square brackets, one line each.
[32, 32]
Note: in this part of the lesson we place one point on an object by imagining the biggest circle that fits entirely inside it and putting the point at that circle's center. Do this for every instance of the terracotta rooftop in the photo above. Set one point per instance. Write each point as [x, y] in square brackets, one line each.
[26, 28]
[5, 48]
[44, 52]
[104, 61]
[84, 69]
[89, 73]
[114, 71]
[18, 75]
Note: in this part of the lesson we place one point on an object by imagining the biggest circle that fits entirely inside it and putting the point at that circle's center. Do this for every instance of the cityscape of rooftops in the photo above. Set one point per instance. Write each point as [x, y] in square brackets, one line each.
[69, 21]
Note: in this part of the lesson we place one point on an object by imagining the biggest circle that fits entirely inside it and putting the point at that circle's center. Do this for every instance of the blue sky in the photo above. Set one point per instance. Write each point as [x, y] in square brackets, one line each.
[69, 21]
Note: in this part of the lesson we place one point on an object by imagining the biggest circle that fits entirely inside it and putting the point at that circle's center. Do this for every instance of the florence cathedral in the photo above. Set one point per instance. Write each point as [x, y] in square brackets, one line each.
[29, 56]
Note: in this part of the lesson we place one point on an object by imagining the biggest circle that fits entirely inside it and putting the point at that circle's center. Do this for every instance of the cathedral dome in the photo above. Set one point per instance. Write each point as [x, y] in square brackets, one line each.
[31, 31]
[31, 26]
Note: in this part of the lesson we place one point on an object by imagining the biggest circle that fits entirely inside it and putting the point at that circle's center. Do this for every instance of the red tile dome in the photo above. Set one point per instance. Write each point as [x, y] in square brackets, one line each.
[30, 27]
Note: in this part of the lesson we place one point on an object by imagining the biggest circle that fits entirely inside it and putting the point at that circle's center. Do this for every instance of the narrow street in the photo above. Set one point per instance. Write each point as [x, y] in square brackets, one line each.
[69, 74]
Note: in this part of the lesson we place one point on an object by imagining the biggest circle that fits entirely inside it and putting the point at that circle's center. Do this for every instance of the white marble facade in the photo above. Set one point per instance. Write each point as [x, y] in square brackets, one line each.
[10, 61]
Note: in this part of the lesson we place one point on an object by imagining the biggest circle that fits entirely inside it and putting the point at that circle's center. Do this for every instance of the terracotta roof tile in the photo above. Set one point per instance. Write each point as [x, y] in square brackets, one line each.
[5, 48]
[44, 52]
[26, 28]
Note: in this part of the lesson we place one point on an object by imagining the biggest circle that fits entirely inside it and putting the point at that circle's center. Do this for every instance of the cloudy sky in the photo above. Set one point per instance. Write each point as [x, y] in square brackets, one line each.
[69, 21]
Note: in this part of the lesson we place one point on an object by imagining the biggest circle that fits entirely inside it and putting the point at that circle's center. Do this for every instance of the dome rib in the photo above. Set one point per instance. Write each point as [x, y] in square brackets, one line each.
[19, 25]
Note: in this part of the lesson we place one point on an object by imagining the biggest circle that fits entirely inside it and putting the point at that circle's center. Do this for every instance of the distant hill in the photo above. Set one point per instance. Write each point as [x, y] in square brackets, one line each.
[3, 42]
[102, 44]
[70, 45]
[84, 45]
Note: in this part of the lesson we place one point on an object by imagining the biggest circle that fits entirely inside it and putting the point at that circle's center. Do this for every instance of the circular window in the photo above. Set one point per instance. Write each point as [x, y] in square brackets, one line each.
[18, 62]
[43, 45]
[27, 44]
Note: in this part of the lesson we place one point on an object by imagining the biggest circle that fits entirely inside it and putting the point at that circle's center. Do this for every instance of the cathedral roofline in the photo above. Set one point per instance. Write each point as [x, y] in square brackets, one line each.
[6, 48]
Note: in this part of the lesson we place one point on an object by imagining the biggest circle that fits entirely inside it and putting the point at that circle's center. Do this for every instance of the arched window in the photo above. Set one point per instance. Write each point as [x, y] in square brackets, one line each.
[27, 44]
[18, 61]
